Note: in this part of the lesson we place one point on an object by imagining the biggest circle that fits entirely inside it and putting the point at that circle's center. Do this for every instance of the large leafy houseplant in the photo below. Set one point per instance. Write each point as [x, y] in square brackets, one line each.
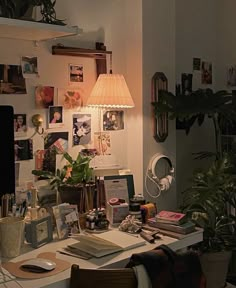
[212, 194]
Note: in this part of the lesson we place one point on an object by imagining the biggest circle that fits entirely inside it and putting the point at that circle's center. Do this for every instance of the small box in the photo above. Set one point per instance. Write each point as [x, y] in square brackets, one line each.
[117, 213]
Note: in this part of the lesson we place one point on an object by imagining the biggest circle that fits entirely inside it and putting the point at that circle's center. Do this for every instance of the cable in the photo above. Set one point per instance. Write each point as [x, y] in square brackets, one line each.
[157, 185]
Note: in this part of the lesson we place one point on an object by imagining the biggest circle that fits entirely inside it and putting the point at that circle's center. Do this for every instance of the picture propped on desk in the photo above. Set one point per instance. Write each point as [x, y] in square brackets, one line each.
[104, 243]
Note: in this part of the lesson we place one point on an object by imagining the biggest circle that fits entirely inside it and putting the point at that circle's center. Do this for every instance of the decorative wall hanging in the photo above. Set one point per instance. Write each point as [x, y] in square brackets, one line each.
[160, 123]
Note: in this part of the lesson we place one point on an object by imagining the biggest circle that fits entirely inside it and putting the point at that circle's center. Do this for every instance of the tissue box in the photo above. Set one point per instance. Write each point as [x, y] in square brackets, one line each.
[117, 213]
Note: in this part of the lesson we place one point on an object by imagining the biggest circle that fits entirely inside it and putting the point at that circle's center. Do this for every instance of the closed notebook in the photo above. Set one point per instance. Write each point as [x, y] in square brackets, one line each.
[105, 243]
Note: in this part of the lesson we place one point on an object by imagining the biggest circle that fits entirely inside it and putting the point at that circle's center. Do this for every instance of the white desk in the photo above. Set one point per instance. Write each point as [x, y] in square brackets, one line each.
[61, 280]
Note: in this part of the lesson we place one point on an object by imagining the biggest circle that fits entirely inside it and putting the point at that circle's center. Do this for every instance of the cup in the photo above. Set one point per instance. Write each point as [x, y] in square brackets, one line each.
[11, 231]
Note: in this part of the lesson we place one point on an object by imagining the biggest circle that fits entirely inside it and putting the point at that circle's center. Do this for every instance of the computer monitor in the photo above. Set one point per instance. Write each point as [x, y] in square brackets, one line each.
[7, 159]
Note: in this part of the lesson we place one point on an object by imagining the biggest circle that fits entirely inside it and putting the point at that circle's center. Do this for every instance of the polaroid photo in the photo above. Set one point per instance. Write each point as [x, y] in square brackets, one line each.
[55, 116]
[76, 73]
[70, 98]
[29, 66]
[20, 125]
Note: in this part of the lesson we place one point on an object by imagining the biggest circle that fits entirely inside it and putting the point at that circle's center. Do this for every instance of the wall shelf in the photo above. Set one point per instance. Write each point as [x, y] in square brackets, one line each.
[34, 31]
[79, 52]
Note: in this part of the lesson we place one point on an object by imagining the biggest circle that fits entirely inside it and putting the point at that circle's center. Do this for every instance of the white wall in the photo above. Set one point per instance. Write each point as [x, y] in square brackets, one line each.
[158, 56]
[100, 21]
[196, 36]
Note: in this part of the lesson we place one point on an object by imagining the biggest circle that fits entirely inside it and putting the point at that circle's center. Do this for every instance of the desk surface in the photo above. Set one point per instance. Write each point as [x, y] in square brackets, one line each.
[111, 261]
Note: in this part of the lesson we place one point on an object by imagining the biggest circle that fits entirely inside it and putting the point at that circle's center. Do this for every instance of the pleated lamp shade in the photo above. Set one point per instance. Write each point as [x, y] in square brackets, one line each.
[110, 91]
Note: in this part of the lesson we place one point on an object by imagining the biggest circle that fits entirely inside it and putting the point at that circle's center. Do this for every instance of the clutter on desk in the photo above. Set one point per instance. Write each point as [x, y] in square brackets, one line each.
[96, 220]
[116, 213]
[67, 219]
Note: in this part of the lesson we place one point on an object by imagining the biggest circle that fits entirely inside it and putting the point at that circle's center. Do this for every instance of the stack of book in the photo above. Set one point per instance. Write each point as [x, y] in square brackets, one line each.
[172, 221]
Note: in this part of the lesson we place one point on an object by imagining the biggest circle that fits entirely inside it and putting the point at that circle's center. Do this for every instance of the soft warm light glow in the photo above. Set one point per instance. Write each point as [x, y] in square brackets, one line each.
[110, 91]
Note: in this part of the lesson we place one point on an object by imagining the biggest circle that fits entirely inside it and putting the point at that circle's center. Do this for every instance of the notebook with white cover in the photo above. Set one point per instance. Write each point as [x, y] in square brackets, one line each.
[105, 243]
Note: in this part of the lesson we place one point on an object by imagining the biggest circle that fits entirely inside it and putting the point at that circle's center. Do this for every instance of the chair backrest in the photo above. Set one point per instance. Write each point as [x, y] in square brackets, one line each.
[102, 278]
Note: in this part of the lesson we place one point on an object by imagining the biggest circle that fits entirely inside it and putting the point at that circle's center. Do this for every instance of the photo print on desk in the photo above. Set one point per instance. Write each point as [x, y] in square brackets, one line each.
[55, 117]
[23, 149]
[76, 73]
[20, 125]
[69, 98]
[81, 129]
[44, 96]
[102, 143]
[12, 80]
[29, 66]
[113, 120]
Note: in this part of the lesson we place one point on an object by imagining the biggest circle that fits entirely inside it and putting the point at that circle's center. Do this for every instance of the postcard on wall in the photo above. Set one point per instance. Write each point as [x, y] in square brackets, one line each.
[58, 140]
[45, 160]
[231, 76]
[113, 120]
[44, 96]
[81, 129]
[12, 80]
[29, 66]
[76, 73]
[102, 143]
[20, 125]
[23, 149]
[196, 64]
[206, 72]
[55, 117]
[70, 98]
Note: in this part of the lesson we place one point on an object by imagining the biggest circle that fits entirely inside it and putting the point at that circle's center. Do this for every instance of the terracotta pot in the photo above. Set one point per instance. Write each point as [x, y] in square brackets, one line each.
[215, 267]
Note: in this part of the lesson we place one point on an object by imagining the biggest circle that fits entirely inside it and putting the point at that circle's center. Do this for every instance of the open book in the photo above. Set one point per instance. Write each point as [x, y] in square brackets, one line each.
[105, 243]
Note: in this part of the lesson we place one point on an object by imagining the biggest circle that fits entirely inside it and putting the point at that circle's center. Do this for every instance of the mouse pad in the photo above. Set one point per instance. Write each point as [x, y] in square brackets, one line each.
[14, 267]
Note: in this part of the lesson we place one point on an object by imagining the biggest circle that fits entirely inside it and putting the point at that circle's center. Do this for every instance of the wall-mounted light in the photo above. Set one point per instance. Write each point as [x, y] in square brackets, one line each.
[37, 121]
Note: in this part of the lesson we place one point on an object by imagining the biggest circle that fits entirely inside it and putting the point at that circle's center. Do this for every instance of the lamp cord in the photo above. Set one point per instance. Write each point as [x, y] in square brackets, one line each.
[147, 176]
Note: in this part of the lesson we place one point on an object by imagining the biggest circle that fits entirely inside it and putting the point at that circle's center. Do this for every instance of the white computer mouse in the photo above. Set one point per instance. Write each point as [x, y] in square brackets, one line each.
[38, 265]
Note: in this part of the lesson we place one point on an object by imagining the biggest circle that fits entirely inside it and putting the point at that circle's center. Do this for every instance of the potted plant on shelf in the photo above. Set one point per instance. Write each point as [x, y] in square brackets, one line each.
[23, 9]
[74, 181]
[212, 193]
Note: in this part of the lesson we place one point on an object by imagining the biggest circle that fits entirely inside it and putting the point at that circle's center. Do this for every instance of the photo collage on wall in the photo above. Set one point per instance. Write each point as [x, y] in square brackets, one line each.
[63, 108]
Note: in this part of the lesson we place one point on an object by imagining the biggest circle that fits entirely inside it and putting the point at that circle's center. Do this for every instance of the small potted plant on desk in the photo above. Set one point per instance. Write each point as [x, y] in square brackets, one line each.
[73, 182]
[212, 193]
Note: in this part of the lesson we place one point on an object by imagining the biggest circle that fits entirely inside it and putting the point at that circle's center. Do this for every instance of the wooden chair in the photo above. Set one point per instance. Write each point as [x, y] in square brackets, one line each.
[102, 278]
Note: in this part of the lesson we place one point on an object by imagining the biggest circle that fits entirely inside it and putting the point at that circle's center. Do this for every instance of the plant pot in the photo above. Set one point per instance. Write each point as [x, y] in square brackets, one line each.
[215, 267]
[82, 195]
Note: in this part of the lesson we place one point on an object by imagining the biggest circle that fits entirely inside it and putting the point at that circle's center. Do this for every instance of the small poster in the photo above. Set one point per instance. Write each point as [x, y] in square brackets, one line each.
[12, 80]
[23, 149]
[29, 66]
[102, 143]
[113, 120]
[76, 73]
[70, 99]
[55, 116]
[81, 129]
[20, 126]
[231, 76]
[206, 72]
[44, 96]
